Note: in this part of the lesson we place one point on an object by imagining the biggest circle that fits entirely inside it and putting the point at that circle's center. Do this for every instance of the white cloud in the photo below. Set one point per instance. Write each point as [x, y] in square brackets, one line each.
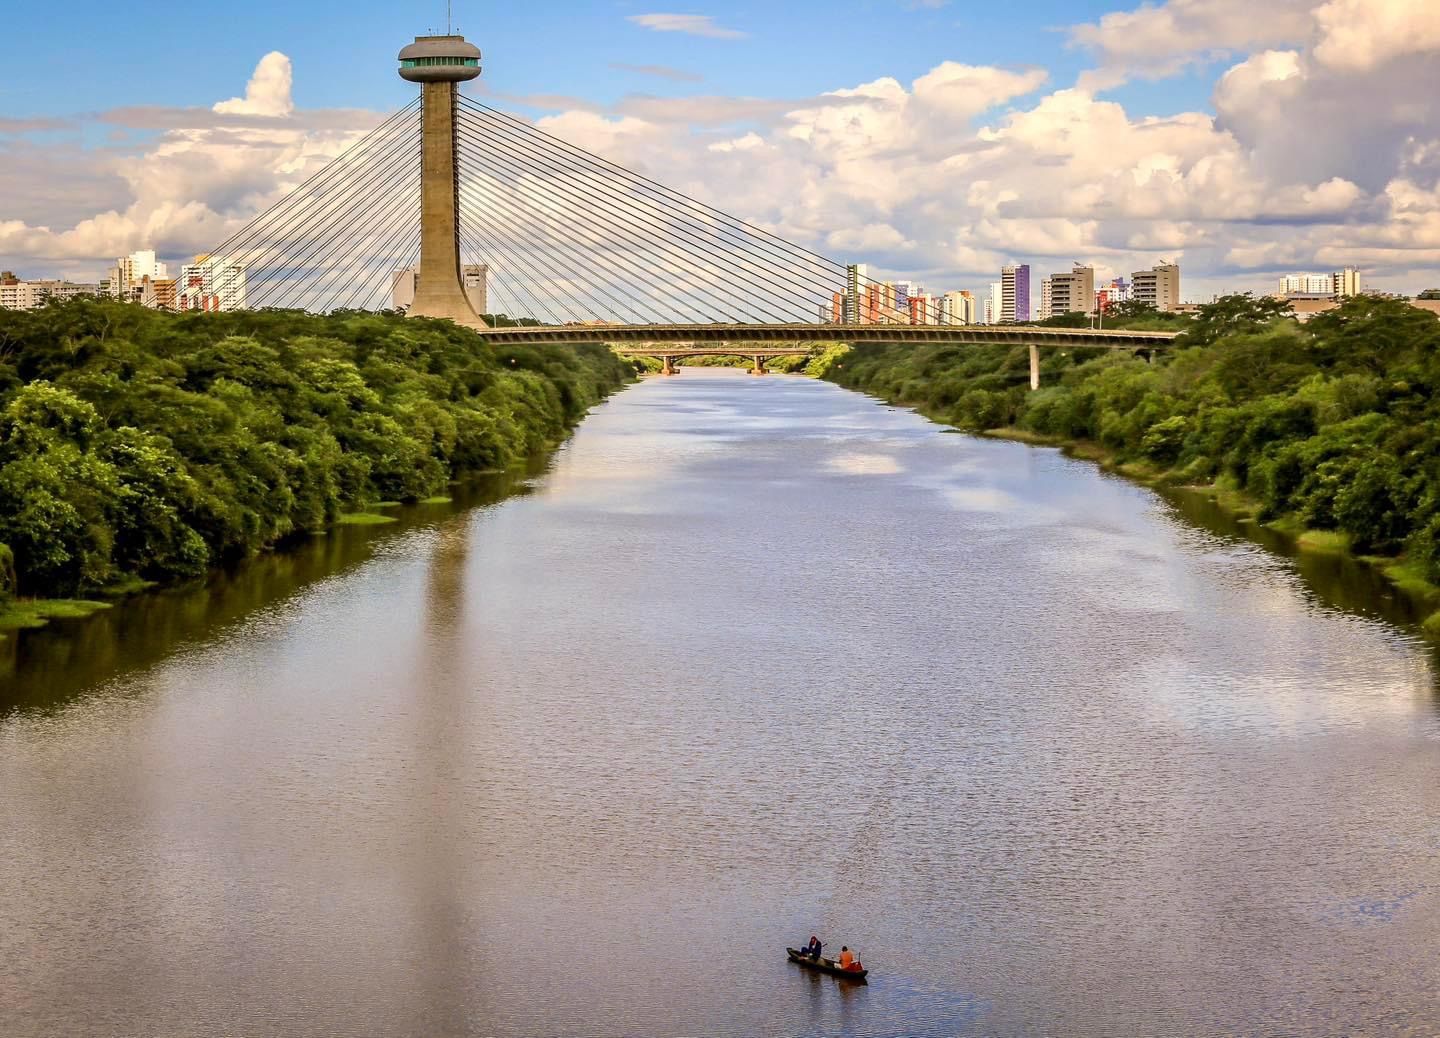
[1361, 34]
[689, 24]
[1157, 40]
[268, 92]
[206, 175]
[1309, 158]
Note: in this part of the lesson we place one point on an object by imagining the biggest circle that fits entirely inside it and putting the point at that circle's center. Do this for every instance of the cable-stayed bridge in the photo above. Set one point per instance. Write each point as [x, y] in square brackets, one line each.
[575, 246]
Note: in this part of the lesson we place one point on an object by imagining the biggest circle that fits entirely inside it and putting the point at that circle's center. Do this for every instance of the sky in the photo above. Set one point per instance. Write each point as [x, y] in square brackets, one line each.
[934, 140]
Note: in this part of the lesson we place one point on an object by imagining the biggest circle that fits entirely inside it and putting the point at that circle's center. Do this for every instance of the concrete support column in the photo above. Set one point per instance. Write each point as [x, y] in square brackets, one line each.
[667, 366]
[1034, 367]
[759, 368]
[438, 288]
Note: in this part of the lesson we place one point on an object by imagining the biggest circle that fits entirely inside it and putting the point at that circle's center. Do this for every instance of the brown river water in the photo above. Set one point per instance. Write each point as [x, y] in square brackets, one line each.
[747, 659]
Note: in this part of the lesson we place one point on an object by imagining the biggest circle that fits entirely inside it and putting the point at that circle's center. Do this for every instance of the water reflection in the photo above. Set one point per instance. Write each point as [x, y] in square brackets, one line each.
[737, 671]
[45, 668]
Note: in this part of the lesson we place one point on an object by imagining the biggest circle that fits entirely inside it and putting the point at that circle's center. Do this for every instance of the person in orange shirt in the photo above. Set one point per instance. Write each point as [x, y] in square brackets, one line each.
[847, 958]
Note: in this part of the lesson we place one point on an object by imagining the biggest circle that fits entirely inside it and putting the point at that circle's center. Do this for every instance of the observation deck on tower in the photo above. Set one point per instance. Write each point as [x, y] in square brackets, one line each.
[575, 246]
[440, 59]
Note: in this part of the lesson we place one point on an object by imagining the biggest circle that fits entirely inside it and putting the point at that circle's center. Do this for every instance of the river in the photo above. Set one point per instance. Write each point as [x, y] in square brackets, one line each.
[750, 659]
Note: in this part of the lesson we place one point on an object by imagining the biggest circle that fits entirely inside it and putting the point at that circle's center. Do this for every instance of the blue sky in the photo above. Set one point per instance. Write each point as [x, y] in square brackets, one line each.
[1243, 140]
[343, 51]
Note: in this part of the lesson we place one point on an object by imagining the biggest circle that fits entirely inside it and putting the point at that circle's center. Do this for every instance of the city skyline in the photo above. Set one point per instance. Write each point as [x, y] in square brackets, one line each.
[1149, 173]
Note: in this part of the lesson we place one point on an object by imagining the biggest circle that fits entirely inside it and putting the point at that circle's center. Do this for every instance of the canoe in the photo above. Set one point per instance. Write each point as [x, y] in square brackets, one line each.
[825, 965]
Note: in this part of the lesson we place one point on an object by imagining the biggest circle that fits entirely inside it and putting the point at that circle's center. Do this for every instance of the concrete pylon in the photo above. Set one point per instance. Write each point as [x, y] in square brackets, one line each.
[440, 64]
[1034, 367]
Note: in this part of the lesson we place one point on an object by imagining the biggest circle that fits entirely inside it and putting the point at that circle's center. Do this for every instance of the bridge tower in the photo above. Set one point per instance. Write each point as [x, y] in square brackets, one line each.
[440, 64]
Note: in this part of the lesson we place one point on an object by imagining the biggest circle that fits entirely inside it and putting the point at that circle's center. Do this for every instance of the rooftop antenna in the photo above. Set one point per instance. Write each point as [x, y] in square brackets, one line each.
[447, 17]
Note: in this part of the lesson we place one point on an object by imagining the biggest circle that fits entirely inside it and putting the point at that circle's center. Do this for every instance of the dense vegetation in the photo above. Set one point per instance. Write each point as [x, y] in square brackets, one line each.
[136, 444]
[1333, 425]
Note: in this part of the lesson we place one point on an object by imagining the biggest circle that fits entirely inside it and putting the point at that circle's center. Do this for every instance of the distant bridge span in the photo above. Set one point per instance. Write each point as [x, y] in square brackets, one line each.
[765, 341]
[660, 337]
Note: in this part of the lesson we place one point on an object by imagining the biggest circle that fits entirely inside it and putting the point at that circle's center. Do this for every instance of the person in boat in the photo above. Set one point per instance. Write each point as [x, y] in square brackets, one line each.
[813, 948]
[847, 959]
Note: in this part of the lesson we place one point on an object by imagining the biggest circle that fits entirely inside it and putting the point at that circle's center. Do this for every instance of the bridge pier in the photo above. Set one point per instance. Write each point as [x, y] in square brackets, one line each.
[759, 368]
[667, 366]
[1034, 367]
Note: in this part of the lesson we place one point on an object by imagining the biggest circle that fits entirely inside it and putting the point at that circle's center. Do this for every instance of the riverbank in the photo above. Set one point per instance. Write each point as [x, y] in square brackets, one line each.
[142, 447]
[1021, 678]
[1400, 575]
[1324, 436]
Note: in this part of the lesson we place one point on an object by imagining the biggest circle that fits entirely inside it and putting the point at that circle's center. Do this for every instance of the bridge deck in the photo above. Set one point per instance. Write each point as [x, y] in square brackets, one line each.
[677, 338]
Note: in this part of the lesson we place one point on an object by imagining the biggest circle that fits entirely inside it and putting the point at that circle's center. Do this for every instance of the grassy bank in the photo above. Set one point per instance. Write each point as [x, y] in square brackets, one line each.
[1327, 432]
[139, 446]
[16, 614]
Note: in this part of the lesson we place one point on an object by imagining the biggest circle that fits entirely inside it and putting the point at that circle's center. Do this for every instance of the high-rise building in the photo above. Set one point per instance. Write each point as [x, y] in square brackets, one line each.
[995, 305]
[142, 264]
[889, 309]
[1068, 293]
[871, 303]
[1015, 293]
[1346, 283]
[856, 278]
[126, 279]
[1159, 287]
[924, 309]
[212, 284]
[903, 291]
[957, 308]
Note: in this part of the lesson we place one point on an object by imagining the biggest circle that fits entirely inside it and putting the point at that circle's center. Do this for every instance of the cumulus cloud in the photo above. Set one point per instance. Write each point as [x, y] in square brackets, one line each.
[267, 93]
[1360, 34]
[1323, 148]
[948, 177]
[1157, 40]
[206, 174]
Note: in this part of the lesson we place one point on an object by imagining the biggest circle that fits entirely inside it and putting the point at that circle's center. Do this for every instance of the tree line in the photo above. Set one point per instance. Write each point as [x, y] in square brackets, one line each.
[139, 444]
[1333, 424]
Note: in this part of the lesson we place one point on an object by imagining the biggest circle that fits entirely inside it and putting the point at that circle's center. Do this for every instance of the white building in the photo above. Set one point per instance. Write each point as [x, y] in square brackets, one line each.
[994, 305]
[1158, 286]
[1307, 285]
[211, 284]
[957, 308]
[475, 279]
[29, 295]
[1116, 291]
[126, 279]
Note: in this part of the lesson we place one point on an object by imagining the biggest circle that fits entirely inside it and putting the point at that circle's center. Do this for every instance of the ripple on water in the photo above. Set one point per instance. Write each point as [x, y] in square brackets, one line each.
[757, 658]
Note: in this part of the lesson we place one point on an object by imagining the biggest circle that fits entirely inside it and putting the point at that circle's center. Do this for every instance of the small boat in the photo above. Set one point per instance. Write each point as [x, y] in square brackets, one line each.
[824, 965]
